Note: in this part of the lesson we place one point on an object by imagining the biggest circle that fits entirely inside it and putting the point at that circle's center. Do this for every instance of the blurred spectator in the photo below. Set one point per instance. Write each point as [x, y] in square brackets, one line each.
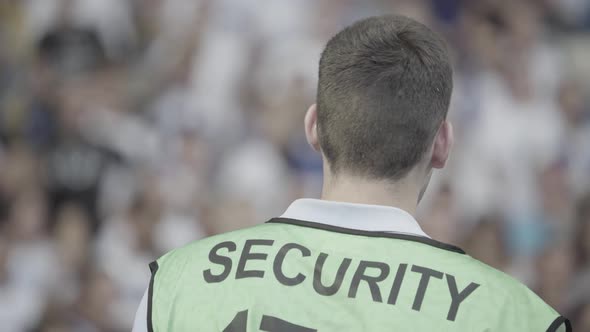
[554, 272]
[31, 257]
[76, 167]
[125, 245]
[94, 308]
[72, 247]
[578, 296]
[440, 218]
[576, 114]
[485, 242]
[20, 305]
[581, 318]
[582, 234]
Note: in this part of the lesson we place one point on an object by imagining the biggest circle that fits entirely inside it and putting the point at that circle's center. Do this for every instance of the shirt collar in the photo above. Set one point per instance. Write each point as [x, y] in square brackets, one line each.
[364, 217]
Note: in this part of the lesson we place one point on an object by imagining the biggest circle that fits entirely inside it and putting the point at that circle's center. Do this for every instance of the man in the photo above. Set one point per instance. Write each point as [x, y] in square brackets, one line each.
[356, 260]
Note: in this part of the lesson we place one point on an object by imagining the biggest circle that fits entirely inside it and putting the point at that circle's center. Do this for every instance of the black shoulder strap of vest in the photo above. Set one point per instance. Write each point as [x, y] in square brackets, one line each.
[154, 269]
[399, 236]
[558, 323]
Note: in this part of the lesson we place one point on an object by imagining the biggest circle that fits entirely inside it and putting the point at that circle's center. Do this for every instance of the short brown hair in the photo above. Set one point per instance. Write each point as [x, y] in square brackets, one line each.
[384, 88]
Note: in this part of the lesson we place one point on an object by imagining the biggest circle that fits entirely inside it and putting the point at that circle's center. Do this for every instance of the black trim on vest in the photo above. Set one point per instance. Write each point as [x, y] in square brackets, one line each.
[558, 322]
[350, 231]
[154, 268]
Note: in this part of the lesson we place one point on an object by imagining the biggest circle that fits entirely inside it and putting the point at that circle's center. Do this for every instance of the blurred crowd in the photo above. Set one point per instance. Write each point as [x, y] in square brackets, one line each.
[131, 127]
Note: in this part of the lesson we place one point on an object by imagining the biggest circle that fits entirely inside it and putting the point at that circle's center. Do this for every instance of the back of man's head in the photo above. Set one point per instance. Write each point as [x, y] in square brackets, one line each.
[384, 89]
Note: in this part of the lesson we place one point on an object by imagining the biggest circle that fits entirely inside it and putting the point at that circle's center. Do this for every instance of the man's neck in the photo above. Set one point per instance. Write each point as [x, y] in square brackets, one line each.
[361, 191]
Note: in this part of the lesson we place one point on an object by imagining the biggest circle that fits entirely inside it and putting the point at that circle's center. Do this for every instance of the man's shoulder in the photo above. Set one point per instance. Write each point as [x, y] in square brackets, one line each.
[498, 281]
[515, 295]
[513, 298]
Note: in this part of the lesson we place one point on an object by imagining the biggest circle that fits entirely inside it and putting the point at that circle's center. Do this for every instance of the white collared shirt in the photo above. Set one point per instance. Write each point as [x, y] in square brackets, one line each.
[372, 218]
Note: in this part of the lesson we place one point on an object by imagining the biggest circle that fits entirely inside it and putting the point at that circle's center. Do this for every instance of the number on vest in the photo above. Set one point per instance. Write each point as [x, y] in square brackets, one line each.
[268, 324]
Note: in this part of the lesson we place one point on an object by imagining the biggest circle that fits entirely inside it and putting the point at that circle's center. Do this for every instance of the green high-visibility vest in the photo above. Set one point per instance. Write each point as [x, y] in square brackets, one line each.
[296, 276]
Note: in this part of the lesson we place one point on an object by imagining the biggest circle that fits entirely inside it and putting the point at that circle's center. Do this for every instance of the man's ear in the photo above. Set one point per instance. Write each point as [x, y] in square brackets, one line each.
[311, 127]
[443, 142]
